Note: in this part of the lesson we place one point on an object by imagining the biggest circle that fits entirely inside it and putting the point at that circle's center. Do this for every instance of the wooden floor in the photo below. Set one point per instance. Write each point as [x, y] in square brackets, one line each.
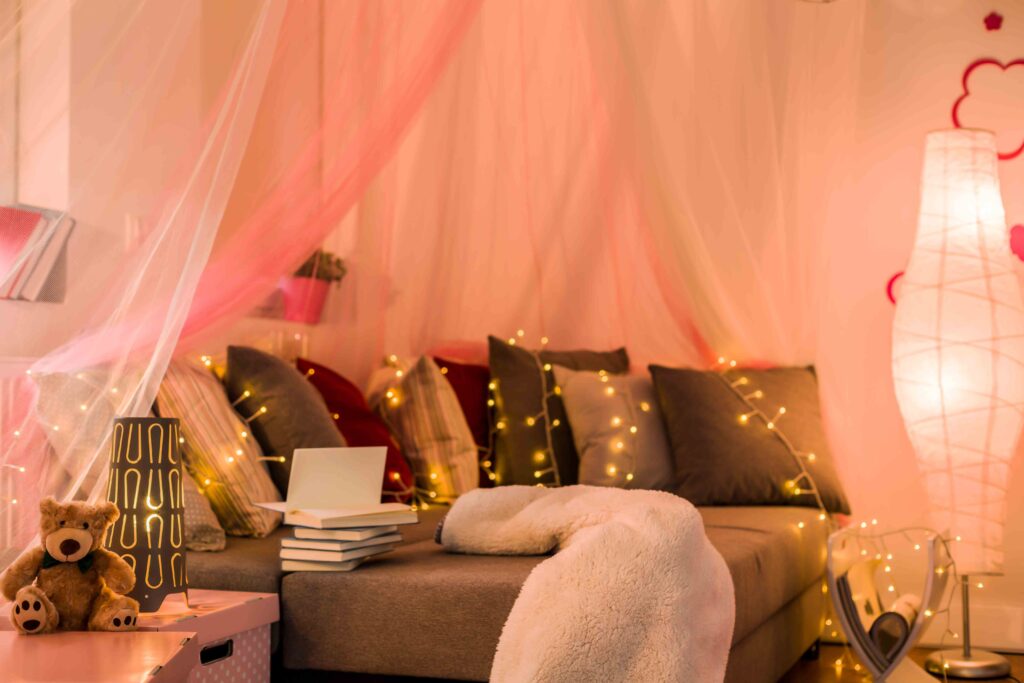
[823, 670]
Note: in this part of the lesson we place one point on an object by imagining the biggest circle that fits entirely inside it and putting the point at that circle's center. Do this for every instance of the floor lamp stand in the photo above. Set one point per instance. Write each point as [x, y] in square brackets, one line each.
[968, 662]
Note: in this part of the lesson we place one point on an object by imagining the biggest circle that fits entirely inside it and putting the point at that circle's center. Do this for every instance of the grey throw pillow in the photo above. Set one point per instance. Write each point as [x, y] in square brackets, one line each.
[521, 446]
[724, 458]
[618, 430]
[296, 415]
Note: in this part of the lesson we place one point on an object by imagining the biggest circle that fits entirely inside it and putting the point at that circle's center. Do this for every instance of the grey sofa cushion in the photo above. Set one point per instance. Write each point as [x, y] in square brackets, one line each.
[253, 564]
[360, 620]
[520, 395]
[771, 559]
[246, 564]
[720, 461]
[296, 415]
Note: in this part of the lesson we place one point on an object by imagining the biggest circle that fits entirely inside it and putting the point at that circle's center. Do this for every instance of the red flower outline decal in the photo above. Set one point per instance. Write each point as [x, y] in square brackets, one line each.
[986, 61]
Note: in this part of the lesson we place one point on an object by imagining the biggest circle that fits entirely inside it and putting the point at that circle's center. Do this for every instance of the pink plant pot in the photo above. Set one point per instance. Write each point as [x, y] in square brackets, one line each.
[303, 298]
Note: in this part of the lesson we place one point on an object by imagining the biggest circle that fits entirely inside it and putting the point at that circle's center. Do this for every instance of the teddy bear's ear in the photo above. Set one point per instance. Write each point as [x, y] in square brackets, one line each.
[49, 506]
[109, 512]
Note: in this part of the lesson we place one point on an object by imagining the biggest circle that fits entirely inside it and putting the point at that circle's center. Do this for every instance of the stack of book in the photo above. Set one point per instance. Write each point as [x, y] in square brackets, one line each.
[339, 540]
[32, 242]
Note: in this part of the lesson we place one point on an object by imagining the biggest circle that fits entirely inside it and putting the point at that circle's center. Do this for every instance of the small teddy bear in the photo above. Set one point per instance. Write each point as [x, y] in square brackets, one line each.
[70, 582]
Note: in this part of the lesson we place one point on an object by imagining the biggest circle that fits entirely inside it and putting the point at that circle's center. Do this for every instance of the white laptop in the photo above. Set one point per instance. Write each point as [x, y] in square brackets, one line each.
[332, 488]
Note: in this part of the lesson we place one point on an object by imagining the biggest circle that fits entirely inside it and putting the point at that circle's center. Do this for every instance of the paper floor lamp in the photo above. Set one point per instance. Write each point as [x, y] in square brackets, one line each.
[145, 483]
[958, 363]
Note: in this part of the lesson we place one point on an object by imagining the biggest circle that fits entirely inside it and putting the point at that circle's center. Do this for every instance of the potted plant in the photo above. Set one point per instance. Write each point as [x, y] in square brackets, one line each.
[304, 292]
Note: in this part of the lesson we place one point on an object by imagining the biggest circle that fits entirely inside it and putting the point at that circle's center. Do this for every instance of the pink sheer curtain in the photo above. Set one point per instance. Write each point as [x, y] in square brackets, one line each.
[648, 174]
[137, 295]
[602, 173]
[147, 189]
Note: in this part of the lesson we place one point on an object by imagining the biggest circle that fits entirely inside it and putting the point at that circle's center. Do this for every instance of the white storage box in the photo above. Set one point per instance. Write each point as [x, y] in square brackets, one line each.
[233, 630]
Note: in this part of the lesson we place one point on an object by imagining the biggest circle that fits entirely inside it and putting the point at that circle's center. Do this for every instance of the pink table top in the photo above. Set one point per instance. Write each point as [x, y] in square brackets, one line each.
[81, 656]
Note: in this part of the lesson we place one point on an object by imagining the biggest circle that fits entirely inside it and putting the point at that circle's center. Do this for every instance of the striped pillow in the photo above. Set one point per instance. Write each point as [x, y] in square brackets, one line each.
[423, 412]
[220, 454]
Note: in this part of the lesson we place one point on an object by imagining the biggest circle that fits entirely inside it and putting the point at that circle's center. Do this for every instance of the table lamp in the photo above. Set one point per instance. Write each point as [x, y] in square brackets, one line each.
[958, 364]
[145, 483]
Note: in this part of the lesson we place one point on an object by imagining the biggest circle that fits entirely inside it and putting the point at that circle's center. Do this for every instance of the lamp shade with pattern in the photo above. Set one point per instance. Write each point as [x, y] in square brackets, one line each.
[958, 346]
[145, 482]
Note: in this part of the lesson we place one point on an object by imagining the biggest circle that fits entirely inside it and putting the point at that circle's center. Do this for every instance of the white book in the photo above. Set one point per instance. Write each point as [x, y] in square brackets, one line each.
[344, 534]
[339, 545]
[339, 488]
[307, 566]
[345, 519]
[332, 555]
[34, 283]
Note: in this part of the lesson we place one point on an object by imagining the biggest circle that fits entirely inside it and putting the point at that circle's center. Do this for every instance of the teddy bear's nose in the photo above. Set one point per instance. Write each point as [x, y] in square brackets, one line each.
[69, 546]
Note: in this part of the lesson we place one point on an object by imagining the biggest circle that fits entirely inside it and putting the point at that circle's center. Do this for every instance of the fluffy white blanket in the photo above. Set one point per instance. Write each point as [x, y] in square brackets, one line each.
[636, 592]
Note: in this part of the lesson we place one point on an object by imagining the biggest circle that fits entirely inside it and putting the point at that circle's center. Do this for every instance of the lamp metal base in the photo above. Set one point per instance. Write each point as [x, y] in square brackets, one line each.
[981, 664]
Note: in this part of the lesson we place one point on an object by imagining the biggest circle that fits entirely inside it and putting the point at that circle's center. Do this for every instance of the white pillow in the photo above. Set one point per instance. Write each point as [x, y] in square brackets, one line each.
[617, 429]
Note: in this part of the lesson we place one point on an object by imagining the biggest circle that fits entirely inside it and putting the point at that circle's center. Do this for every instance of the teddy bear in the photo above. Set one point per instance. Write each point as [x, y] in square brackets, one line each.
[70, 581]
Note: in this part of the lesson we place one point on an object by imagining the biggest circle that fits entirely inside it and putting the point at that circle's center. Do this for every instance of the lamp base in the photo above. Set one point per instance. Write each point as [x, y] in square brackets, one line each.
[980, 664]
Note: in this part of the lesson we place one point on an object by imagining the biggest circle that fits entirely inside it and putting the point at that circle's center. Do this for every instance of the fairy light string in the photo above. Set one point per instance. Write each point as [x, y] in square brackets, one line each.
[544, 460]
[871, 545]
[424, 489]
[234, 452]
[393, 476]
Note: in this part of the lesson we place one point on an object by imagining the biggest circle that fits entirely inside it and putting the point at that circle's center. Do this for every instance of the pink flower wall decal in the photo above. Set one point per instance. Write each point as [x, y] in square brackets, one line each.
[993, 21]
[993, 99]
[1017, 240]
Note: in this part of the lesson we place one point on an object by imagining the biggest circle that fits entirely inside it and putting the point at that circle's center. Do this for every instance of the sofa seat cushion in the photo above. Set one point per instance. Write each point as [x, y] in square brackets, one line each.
[246, 564]
[771, 559]
[424, 612]
[417, 611]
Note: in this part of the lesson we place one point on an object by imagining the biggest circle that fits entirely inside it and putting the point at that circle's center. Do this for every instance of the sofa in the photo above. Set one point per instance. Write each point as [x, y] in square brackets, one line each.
[420, 611]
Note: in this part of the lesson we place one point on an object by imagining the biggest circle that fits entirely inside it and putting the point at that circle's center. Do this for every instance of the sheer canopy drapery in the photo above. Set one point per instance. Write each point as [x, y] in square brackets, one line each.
[649, 174]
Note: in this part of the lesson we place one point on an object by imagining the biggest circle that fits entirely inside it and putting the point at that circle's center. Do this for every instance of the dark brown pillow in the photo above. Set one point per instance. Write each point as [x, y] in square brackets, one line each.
[519, 394]
[722, 458]
[296, 415]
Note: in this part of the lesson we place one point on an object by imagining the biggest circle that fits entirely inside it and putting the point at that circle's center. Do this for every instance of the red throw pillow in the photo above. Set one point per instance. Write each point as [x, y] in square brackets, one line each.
[470, 385]
[360, 426]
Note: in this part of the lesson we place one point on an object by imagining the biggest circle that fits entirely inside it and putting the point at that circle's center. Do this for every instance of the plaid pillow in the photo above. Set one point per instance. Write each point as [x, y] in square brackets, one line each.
[219, 450]
[423, 412]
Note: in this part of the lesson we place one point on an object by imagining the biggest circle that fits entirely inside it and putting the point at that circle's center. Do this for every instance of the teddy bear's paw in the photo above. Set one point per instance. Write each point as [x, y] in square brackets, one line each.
[124, 619]
[32, 612]
[119, 613]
